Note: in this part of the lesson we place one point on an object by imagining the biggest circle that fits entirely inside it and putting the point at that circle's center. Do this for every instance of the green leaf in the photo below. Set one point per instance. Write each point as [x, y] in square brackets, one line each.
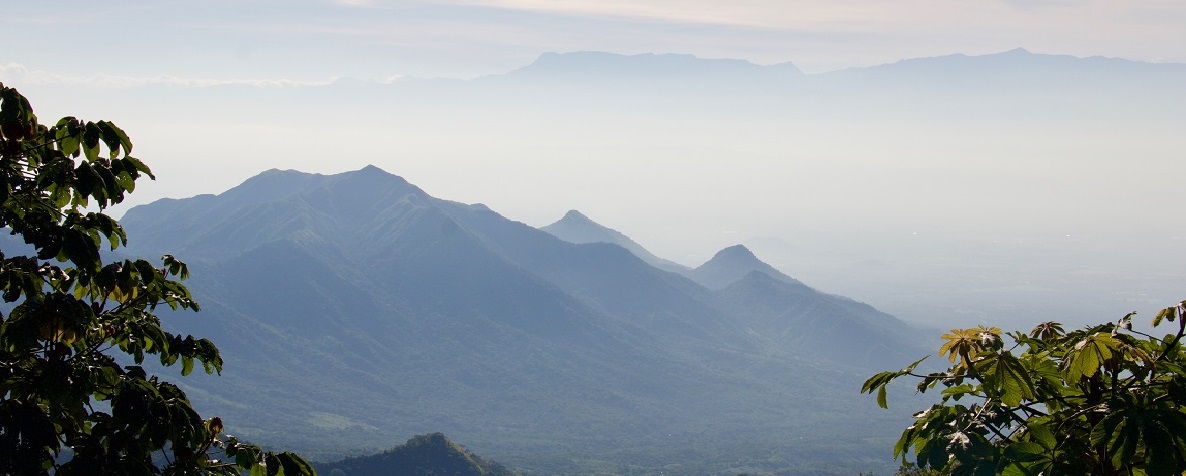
[90, 141]
[187, 365]
[126, 181]
[959, 391]
[1025, 451]
[1021, 469]
[246, 456]
[1085, 358]
[1169, 314]
[113, 138]
[68, 140]
[1042, 435]
[1007, 378]
[138, 165]
[112, 192]
[293, 465]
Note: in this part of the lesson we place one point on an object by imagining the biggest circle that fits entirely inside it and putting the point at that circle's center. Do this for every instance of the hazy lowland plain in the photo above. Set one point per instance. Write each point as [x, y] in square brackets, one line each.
[359, 305]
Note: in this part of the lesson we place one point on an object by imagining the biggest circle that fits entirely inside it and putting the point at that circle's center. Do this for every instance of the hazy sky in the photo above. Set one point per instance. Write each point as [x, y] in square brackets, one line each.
[306, 40]
[888, 218]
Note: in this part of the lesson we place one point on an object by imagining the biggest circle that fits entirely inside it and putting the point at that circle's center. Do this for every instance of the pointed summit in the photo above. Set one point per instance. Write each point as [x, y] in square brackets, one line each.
[575, 216]
[730, 265]
[577, 228]
[424, 454]
[371, 176]
[736, 253]
[371, 169]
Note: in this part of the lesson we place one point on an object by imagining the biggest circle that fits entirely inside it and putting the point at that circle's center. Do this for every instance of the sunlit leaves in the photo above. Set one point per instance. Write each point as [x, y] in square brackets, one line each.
[1102, 400]
[1087, 355]
[964, 344]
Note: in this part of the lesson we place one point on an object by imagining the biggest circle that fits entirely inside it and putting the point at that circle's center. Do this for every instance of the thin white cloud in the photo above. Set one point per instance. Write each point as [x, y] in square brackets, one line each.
[796, 14]
[948, 18]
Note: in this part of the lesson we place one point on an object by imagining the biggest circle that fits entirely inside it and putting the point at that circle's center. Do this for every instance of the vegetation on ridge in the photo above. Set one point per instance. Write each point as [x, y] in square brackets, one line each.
[422, 455]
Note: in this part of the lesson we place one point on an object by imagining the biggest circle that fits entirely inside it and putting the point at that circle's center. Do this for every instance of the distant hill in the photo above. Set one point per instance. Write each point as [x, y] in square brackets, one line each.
[355, 307]
[1018, 68]
[731, 265]
[577, 228]
[423, 455]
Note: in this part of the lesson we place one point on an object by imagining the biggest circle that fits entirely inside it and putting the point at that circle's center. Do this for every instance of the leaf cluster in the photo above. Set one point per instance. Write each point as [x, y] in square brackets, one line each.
[66, 405]
[1103, 400]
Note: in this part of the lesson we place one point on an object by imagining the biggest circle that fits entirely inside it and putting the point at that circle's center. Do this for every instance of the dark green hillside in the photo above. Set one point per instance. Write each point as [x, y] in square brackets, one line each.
[424, 455]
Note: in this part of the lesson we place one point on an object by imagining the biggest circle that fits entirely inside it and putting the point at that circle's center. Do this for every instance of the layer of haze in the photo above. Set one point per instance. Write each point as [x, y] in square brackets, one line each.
[957, 210]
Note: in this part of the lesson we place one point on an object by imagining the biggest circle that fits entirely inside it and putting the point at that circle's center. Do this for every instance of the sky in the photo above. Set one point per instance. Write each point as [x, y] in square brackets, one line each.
[886, 219]
[307, 40]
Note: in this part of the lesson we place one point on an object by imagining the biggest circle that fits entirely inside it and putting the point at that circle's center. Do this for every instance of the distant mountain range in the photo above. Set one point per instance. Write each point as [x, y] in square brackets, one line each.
[602, 66]
[1005, 70]
[1018, 63]
[355, 309]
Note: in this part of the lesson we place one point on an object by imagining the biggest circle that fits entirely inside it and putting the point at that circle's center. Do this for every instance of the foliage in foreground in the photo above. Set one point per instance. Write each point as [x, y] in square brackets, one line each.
[66, 405]
[1103, 400]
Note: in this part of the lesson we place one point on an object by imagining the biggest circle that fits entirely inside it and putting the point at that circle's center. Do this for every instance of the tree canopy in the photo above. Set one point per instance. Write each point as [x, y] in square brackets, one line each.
[1102, 400]
[67, 405]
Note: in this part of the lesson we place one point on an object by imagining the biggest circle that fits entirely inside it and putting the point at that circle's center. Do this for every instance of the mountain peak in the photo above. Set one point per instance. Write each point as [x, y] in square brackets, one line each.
[373, 172]
[577, 228]
[575, 216]
[372, 169]
[735, 252]
[424, 454]
[374, 176]
[732, 264]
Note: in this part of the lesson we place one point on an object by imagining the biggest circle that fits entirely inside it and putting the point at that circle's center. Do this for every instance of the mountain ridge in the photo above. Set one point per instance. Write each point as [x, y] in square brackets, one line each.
[394, 312]
[645, 66]
[575, 227]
